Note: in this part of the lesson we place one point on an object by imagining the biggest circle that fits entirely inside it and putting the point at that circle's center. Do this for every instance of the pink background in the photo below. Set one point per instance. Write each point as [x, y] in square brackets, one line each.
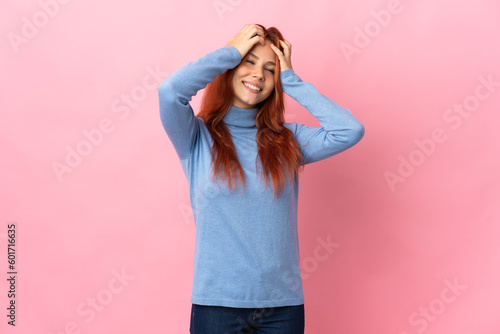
[123, 207]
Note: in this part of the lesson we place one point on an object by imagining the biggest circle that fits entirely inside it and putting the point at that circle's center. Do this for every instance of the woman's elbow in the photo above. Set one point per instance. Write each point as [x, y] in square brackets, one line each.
[358, 132]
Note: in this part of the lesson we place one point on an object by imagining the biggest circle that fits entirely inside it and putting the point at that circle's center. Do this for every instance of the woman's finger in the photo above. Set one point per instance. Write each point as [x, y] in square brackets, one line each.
[284, 56]
[277, 50]
[287, 48]
[286, 44]
[255, 29]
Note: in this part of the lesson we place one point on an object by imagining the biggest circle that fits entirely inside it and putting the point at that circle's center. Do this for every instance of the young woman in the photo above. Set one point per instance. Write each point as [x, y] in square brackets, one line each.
[242, 163]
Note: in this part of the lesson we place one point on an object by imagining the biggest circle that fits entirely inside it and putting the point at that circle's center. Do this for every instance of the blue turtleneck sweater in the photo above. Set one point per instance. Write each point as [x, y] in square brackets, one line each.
[247, 245]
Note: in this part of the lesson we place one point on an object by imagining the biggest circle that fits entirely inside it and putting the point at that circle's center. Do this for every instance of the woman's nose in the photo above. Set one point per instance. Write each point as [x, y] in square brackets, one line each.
[258, 73]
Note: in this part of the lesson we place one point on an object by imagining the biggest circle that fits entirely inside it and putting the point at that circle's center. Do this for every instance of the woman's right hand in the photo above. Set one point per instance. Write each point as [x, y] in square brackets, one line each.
[248, 36]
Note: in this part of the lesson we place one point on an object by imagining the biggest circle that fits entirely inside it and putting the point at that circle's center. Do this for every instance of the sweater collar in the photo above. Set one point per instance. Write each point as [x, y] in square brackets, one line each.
[241, 117]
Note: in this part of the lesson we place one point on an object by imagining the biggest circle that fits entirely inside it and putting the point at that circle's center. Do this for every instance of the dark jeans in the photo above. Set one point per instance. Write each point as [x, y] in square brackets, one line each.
[231, 320]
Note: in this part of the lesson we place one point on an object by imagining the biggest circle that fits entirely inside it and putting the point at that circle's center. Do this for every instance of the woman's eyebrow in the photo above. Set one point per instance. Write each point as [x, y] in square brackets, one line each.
[269, 62]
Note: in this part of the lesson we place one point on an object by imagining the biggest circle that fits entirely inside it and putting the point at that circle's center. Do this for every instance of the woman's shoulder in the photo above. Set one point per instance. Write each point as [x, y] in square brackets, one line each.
[291, 126]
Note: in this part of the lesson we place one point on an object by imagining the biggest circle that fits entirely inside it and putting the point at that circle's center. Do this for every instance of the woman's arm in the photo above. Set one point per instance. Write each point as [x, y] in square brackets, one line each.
[175, 92]
[340, 129]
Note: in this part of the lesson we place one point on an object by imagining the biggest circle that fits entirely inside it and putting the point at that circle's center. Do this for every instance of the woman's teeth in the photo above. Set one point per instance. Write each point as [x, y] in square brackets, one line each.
[255, 88]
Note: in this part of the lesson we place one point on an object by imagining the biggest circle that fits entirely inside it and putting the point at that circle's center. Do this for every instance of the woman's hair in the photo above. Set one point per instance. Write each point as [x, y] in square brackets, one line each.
[279, 153]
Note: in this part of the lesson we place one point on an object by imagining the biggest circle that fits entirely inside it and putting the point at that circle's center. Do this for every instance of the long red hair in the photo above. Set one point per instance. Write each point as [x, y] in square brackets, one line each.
[278, 150]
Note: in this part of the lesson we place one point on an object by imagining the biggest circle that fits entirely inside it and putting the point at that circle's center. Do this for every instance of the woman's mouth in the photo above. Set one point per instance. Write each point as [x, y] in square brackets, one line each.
[251, 88]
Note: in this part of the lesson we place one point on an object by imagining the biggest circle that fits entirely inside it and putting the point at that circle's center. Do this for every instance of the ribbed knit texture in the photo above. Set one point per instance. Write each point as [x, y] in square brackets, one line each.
[246, 247]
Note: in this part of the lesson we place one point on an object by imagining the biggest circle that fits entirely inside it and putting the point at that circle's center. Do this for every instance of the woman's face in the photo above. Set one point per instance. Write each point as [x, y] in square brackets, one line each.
[257, 70]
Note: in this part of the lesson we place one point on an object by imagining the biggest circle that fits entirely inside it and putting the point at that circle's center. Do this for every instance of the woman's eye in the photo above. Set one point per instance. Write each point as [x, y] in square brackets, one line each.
[251, 62]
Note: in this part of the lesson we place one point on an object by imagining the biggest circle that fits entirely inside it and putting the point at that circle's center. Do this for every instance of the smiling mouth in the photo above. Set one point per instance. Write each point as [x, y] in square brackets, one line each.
[251, 88]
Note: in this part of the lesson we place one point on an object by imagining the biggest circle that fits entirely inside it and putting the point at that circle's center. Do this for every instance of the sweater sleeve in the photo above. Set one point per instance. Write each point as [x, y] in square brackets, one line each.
[175, 92]
[340, 129]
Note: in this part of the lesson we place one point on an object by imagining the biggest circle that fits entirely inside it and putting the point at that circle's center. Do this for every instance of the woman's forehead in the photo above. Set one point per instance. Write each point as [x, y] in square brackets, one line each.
[262, 52]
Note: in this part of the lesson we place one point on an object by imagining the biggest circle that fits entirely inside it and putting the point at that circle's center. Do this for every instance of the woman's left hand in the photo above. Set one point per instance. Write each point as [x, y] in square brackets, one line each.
[285, 56]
